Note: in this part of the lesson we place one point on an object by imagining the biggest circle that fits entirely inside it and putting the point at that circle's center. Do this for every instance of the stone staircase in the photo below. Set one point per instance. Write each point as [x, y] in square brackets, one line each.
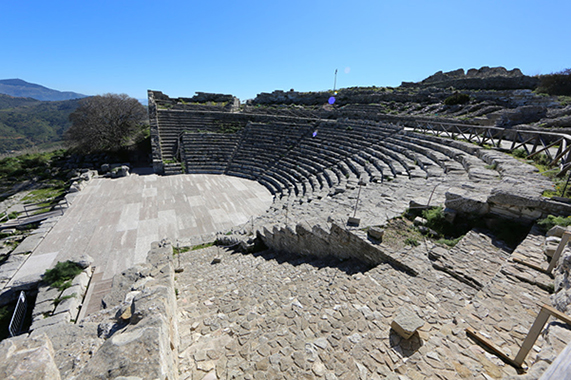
[507, 300]
[173, 168]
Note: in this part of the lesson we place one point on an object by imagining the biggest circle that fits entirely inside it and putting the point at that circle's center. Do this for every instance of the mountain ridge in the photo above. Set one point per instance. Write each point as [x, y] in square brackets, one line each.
[22, 89]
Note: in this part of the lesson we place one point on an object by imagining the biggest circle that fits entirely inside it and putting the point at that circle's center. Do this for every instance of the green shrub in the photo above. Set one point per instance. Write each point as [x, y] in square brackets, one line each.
[61, 275]
[58, 300]
[552, 221]
[435, 219]
[457, 98]
[411, 241]
[450, 242]
[519, 153]
[556, 83]
[541, 159]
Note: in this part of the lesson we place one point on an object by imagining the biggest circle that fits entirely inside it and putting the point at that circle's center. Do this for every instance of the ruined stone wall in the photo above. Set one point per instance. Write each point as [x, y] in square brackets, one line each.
[146, 347]
[136, 336]
[322, 241]
[495, 78]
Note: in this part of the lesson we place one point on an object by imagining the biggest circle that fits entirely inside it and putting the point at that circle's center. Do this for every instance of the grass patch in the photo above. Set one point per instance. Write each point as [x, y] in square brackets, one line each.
[61, 275]
[450, 242]
[59, 300]
[179, 250]
[519, 153]
[492, 166]
[203, 245]
[552, 221]
[43, 195]
[411, 241]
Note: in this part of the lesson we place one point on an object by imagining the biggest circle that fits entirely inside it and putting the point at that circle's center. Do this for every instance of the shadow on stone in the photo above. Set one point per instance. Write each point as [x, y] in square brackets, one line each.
[349, 266]
[405, 347]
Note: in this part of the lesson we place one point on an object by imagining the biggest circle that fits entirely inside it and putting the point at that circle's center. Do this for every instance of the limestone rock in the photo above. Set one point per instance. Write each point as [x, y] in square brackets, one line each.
[24, 358]
[561, 298]
[406, 323]
[556, 231]
[466, 202]
[376, 233]
[83, 260]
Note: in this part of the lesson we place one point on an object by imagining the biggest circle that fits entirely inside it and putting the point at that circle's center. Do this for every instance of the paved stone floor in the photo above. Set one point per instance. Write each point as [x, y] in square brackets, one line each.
[116, 220]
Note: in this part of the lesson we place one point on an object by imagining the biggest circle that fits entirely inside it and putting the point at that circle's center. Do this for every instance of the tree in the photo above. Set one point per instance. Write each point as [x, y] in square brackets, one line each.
[105, 122]
[556, 83]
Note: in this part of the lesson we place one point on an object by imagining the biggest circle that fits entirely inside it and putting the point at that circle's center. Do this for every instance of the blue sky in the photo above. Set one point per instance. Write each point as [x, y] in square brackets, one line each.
[246, 47]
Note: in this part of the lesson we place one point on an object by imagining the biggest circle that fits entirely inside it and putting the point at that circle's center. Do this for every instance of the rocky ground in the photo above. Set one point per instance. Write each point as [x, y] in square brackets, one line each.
[279, 316]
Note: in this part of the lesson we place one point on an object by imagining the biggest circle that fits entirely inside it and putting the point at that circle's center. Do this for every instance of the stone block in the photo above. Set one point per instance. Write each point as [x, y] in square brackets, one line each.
[353, 221]
[376, 233]
[81, 280]
[28, 358]
[83, 260]
[44, 308]
[419, 221]
[557, 231]
[70, 305]
[449, 215]
[406, 323]
[47, 293]
[28, 245]
[549, 250]
[50, 321]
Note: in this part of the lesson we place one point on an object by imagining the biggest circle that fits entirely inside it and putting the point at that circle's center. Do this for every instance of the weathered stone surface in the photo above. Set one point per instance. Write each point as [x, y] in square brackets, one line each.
[146, 347]
[466, 201]
[50, 321]
[376, 233]
[561, 299]
[83, 260]
[406, 322]
[557, 231]
[73, 345]
[23, 358]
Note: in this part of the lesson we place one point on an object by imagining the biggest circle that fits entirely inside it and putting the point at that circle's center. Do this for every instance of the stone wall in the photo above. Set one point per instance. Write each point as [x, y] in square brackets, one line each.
[325, 241]
[146, 339]
[156, 153]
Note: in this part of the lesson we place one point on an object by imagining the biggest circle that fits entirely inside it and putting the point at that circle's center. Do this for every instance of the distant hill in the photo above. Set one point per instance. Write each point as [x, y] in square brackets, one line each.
[7, 101]
[26, 123]
[20, 88]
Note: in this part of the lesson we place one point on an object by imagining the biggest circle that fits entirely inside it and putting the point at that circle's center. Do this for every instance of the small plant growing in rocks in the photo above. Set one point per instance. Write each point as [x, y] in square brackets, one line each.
[61, 275]
[552, 221]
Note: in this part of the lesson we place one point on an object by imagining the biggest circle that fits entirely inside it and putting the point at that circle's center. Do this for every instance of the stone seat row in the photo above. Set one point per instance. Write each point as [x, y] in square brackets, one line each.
[304, 165]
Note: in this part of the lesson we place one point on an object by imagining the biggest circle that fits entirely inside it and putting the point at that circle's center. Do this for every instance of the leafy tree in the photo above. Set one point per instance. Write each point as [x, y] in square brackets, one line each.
[105, 122]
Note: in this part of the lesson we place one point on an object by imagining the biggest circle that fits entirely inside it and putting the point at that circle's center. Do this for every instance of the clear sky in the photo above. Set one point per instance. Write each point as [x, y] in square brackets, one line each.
[247, 47]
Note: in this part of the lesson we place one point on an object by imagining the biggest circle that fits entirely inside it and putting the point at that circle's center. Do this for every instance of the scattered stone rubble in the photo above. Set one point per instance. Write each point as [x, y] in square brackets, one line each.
[136, 339]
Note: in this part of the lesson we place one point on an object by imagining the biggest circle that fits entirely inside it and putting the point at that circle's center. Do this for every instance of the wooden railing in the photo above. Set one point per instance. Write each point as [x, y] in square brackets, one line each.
[556, 146]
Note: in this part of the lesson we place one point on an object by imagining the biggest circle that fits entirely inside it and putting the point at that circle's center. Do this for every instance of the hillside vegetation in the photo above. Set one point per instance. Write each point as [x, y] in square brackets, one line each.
[26, 123]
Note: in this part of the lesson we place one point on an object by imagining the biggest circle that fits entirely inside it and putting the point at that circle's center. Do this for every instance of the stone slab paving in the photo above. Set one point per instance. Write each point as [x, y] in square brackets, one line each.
[116, 220]
[276, 316]
[271, 316]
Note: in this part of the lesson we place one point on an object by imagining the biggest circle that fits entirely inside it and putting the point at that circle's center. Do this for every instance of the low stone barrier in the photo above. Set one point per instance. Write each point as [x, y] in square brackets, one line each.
[334, 241]
[142, 340]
